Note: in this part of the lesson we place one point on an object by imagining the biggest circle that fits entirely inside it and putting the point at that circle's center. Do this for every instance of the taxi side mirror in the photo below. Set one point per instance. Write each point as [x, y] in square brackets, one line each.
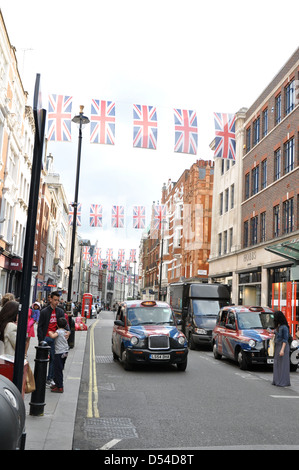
[119, 323]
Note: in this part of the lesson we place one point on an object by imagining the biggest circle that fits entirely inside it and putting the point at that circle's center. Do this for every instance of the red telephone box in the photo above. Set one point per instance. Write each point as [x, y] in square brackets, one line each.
[86, 305]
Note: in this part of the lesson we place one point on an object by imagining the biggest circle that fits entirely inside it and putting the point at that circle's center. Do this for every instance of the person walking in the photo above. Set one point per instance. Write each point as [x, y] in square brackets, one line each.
[8, 326]
[281, 366]
[48, 322]
[61, 351]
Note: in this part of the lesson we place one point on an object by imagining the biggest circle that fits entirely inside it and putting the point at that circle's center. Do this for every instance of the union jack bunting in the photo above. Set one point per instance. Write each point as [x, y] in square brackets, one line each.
[100, 263]
[97, 254]
[109, 264]
[109, 253]
[95, 216]
[85, 253]
[121, 254]
[118, 216]
[127, 265]
[185, 125]
[225, 139]
[159, 215]
[59, 117]
[102, 122]
[132, 256]
[145, 126]
[71, 214]
[118, 264]
[138, 216]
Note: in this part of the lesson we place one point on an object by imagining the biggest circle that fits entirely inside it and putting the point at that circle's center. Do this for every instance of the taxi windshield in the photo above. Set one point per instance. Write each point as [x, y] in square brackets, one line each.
[250, 320]
[149, 315]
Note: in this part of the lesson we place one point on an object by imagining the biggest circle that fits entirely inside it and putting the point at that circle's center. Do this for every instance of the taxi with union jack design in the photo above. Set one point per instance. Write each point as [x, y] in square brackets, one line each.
[145, 332]
[243, 334]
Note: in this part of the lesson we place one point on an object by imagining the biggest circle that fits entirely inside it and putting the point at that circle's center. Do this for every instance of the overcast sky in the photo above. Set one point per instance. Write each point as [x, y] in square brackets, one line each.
[210, 57]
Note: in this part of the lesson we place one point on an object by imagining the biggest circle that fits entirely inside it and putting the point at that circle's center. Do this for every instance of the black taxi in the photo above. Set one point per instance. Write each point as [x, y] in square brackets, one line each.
[145, 332]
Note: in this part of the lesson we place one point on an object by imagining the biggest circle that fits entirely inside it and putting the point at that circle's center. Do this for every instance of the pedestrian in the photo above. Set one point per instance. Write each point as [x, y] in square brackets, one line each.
[33, 317]
[48, 322]
[281, 366]
[61, 351]
[6, 298]
[8, 326]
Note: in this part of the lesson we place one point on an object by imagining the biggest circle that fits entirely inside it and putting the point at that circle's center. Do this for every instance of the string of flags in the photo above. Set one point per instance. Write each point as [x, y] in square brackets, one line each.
[145, 126]
[118, 216]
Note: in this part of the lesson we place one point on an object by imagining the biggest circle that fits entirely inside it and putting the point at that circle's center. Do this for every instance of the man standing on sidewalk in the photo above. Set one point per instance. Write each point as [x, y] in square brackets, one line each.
[48, 322]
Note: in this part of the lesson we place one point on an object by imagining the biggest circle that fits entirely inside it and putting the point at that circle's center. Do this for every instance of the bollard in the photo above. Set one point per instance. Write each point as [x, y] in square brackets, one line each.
[71, 340]
[37, 402]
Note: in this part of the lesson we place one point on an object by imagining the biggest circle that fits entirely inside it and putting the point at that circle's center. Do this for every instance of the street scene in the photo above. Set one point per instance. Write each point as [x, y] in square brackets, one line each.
[149, 229]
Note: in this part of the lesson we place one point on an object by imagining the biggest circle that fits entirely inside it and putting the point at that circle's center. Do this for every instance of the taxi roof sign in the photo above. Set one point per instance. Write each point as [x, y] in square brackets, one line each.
[148, 303]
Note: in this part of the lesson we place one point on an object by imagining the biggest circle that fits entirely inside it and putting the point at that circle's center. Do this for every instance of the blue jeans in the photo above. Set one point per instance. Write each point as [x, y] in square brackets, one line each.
[51, 343]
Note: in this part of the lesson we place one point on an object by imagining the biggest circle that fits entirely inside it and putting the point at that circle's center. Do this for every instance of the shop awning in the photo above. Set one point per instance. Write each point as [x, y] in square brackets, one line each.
[288, 249]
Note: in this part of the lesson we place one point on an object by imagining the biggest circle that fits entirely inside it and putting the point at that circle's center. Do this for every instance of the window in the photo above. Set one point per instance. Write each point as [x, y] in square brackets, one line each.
[289, 156]
[219, 243]
[253, 230]
[255, 180]
[264, 174]
[265, 122]
[263, 227]
[256, 131]
[278, 109]
[245, 233]
[288, 216]
[225, 242]
[276, 221]
[226, 200]
[248, 139]
[289, 97]
[247, 186]
[232, 196]
[230, 239]
[221, 204]
[277, 164]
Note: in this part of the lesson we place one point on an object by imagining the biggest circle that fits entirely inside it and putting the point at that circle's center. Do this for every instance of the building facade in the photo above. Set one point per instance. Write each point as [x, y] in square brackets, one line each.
[267, 159]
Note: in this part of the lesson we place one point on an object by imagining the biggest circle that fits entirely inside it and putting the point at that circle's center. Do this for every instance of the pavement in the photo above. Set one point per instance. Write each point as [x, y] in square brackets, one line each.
[54, 430]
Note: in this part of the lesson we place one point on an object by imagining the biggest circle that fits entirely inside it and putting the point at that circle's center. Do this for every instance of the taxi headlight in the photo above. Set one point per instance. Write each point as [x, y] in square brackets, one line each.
[134, 340]
[294, 344]
[200, 331]
[181, 340]
[251, 343]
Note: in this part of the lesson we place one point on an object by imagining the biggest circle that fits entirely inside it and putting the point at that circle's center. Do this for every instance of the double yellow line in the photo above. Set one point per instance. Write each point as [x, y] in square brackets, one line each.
[92, 406]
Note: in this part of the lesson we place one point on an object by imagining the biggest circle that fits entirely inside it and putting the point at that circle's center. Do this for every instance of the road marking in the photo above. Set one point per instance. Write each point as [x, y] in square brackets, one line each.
[283, 396]
[110, 444]
[92, 405]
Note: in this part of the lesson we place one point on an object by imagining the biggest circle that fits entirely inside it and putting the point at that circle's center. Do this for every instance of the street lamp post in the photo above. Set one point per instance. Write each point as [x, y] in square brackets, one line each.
[80, 119]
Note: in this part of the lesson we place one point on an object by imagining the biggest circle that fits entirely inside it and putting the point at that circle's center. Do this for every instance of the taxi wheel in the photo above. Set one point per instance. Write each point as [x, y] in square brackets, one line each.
[126, 363]
[216, 354]
[242, 360]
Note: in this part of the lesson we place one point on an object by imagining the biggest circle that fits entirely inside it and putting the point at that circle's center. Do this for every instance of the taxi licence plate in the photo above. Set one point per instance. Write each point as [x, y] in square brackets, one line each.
[160, 356]
[270, 361]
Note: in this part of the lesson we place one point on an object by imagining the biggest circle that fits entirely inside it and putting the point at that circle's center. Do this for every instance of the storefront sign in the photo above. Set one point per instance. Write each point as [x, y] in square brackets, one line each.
[249, 256]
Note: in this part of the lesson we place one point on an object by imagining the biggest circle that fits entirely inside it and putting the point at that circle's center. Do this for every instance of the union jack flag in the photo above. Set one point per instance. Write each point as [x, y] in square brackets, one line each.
[100, 263]
[185, 125]
[118, 264]
[97, 254]
[85, 253]
[138, 216]
[145, 126]
[109, 253]
[59, 117]
[118, 216]
[132, 255]
[159, 215]
[102, 122]
[121, 254]
[95, 216]
[71, 214]
[225, 140]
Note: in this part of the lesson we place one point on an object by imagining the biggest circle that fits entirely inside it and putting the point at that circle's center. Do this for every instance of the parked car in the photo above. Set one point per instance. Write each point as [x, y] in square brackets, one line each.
[244, 333]
[93, 312]
[145, 332]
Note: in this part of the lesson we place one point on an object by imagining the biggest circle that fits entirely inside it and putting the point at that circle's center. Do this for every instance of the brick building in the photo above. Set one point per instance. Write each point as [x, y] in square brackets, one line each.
[268, 162]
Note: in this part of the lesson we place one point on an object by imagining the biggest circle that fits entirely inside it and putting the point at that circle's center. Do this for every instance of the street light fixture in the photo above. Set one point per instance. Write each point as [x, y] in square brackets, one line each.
[81, 120]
